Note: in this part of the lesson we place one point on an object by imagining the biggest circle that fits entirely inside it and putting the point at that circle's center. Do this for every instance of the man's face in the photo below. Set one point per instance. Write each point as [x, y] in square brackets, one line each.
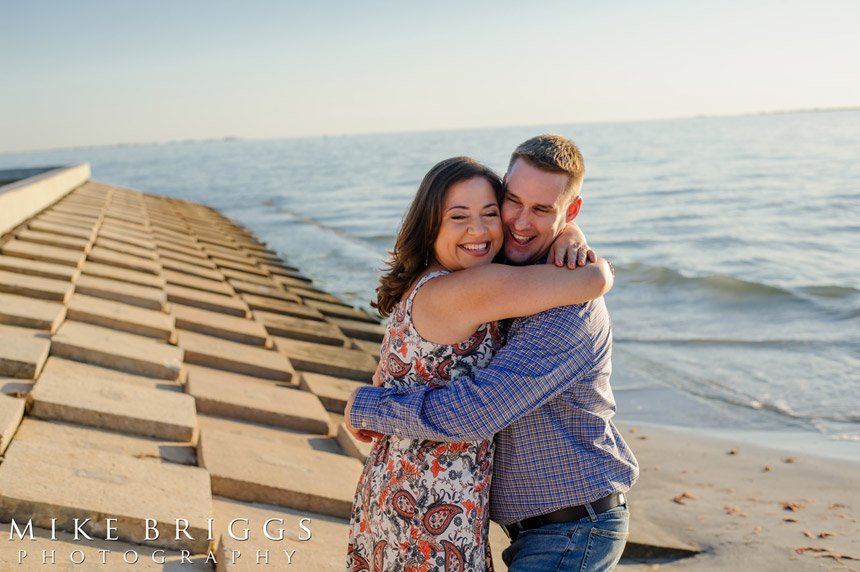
[534, 211]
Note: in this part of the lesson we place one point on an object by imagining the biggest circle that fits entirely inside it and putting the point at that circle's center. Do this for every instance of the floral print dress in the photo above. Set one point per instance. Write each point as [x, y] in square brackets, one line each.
[424, 505]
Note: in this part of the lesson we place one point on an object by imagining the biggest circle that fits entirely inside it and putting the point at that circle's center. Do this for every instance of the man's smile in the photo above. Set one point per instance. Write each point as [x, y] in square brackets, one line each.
[521, 239]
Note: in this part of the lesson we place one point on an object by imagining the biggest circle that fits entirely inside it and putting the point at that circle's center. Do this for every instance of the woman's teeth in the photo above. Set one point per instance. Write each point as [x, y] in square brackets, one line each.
[476, 247]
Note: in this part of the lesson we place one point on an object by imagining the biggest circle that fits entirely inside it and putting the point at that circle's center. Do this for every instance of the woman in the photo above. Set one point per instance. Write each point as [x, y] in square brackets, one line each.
[423, 505]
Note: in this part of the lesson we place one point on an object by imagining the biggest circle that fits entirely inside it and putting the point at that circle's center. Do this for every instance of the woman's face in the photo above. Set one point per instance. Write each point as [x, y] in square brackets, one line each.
[471, 229]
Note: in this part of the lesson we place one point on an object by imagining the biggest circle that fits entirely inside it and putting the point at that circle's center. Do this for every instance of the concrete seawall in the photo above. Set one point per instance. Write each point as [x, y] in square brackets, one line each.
[159, 362]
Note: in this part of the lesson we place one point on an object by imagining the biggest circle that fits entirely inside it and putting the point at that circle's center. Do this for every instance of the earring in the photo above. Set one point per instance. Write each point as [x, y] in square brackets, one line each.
[426, 258]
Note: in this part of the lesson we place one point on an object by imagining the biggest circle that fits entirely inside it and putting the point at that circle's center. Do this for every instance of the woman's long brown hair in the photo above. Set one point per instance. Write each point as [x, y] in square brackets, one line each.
[413, 249]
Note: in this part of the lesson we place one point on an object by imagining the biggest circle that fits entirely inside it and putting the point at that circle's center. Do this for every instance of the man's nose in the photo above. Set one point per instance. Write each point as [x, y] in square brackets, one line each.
[521, 219]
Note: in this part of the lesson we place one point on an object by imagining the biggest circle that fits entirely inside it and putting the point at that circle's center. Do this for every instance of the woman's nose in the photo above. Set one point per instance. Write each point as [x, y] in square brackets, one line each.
[477, 227]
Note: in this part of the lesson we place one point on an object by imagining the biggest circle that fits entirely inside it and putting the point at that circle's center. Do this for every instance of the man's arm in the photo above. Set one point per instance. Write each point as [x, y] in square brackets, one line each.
[546, 353]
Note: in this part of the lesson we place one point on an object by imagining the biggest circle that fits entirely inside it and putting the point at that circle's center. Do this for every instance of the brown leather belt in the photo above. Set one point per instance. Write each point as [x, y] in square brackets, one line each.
[567, 514]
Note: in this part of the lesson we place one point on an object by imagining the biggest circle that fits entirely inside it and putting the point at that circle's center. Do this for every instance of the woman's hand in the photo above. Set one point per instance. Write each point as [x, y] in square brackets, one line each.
[377, 376]
[570, 247]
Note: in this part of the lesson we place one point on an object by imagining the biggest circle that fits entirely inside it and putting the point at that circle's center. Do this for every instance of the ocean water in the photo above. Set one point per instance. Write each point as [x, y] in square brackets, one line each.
[736, 306]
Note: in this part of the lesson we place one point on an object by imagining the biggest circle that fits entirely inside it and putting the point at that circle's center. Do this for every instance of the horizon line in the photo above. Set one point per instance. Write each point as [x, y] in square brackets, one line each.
[230, 138]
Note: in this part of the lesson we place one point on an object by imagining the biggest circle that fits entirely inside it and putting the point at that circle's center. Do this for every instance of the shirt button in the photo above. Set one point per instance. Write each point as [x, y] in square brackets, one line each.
[364, 423]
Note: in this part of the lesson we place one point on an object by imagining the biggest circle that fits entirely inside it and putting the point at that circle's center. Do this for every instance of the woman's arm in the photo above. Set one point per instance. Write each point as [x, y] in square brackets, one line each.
[448, 309]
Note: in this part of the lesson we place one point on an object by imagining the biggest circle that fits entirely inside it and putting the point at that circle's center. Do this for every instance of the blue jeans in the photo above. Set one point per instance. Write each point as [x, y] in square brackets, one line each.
[589, 544]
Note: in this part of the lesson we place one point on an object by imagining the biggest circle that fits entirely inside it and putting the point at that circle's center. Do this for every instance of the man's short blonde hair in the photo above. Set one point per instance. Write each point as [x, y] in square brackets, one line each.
[554, 153]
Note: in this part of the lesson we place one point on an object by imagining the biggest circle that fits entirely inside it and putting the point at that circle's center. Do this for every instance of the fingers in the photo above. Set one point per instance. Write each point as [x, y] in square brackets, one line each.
[581, 256]
[365, 435]
[377, 376]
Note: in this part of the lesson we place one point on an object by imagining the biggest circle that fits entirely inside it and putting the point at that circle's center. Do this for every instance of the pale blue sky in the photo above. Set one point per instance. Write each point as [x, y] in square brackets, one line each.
[94, 72]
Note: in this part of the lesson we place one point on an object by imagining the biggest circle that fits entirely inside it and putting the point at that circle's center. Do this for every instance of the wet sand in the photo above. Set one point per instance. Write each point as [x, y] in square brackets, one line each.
[739, 507]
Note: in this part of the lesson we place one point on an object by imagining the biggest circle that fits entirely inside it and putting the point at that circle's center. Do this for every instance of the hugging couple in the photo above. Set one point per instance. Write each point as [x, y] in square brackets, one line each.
[477, 416]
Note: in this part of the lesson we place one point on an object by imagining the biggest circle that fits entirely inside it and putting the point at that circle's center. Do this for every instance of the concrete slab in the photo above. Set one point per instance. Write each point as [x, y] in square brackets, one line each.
[216, 353]
[53, 239]
[117, 350]
[332, 391]
[114, 258]
[126, 227]
[247, 268]
[207, 300]
[256, 400]
[134, 218]
[75, 222]
[328, 360]
[90, 438]
[23, 352]
[43, 252]
[373, 332]
[35, 286]
[340, 311]
[84, 210]
[186, 247]
[11, 413]
[122, 407]
[149, 245]
[122, 274]
[220, 325]
[352, 446]
[313, 294]
[37, 268]
[198, 283]
[41, 479]
[282, 307]
[125, 230]
[68, 369]
[325, 551]
[126, 248]
[29, 312]
[370, 348]
[299, 329]
[233, 254]
[266, 291]
[231, 274]
[119, 291]
[65, 230]
[251, 469]
[193, 260]
[123, 317]
[275, 435]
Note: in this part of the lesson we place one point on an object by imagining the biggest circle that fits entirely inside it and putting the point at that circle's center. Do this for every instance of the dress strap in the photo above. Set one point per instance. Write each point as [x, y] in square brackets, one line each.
[423, 280]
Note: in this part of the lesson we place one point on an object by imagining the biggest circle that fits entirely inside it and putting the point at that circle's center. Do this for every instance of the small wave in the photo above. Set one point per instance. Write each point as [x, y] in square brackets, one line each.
[777, 343]
[664, 276]
[724, 285]
[830, 291]
[782, 408]
[845, 437]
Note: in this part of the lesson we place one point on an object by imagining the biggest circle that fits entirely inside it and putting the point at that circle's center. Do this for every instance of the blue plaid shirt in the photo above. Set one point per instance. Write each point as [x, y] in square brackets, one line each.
[545, 396]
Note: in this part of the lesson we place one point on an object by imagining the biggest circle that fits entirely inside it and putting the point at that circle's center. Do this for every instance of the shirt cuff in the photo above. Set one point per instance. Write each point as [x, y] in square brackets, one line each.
[365, 407]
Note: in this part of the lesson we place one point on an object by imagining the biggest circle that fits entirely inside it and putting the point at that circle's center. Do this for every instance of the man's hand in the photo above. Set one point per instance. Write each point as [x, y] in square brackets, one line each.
[570, 246]
[363, 435]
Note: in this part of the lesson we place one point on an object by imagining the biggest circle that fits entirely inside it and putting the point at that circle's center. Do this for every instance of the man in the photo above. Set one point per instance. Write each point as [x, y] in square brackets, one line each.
[561, 467]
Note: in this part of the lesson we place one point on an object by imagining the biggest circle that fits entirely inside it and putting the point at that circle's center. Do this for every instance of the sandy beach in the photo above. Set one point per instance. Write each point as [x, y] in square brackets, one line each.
[739, 507]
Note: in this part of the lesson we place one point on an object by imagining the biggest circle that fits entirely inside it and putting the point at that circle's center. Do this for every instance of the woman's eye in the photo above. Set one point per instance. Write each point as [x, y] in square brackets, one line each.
[491, 213]
[458, 217]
